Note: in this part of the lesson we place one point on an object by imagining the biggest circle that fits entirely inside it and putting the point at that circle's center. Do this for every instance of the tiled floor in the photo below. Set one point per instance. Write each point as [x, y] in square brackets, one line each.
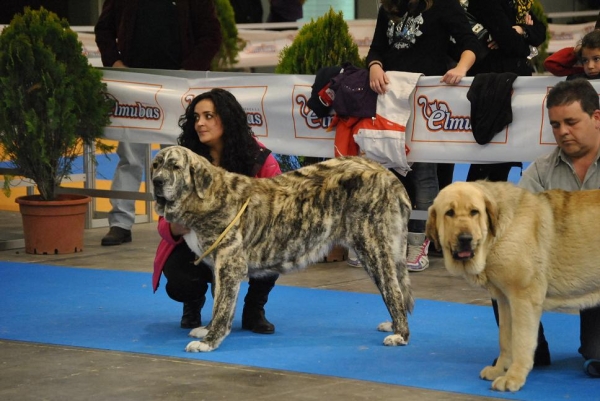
[44, 372]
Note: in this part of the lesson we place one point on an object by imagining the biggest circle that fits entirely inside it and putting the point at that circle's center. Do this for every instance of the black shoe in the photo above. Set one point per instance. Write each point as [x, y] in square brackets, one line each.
[592, 367]
[255, 321]
[434, 252]
[116, 236]
[191, 315]
[542, 355]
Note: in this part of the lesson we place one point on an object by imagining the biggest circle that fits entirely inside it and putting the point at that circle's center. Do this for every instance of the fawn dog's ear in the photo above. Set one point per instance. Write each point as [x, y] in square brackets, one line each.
[491, 209]
[431, 230]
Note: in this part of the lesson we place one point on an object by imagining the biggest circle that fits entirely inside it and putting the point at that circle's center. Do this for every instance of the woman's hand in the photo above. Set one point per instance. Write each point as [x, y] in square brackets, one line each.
[454, 76]
[377, 79]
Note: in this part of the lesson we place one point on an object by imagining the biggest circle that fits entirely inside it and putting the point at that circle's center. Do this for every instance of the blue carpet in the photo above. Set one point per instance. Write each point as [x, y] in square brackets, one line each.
[318, 332]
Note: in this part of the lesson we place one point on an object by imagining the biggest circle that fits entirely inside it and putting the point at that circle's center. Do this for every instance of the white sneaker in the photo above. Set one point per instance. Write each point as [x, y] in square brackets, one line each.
[352, 259]
[354, 262]
[418, 246]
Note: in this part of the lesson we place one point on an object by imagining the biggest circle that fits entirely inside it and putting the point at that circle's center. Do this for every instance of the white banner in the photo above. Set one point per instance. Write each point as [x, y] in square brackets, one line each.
[562, 36]
[148, 107]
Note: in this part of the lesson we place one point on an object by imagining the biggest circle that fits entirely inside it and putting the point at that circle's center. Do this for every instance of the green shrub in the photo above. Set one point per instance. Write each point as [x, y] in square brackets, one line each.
[537, 9]
[227, 56]
[51, 99]
[321, 43]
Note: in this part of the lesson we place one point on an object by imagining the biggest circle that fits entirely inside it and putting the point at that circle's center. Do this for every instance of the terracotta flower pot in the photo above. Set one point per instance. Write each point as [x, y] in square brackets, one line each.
[53, 227]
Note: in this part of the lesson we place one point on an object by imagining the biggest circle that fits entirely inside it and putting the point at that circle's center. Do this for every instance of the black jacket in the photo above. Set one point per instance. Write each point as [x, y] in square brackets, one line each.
[499, 16]
[199, 27]
[428, 39]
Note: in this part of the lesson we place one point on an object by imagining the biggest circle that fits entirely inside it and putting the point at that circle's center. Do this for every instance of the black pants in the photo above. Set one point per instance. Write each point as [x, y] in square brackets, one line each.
[187, 282]
[492, 172]
[445, 172]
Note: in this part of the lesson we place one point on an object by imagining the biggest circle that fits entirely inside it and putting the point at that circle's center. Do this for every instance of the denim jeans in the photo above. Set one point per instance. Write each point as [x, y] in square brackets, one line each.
[425, 186]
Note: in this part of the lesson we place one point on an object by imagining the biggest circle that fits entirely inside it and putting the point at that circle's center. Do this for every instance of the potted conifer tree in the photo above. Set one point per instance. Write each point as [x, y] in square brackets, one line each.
[52, 103]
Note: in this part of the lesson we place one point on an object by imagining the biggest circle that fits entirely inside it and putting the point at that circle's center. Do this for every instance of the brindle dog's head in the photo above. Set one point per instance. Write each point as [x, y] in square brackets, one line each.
[178, 173]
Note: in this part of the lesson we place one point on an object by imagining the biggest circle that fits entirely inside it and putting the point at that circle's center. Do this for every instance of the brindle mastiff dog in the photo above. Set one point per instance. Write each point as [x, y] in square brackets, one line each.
[251, 226]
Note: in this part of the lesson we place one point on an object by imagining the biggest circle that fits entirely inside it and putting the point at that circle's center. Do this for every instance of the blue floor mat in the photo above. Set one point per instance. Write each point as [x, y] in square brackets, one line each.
[318, 332]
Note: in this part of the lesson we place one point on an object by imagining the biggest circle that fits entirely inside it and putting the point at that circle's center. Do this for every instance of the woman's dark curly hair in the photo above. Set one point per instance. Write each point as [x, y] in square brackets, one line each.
[240, 149]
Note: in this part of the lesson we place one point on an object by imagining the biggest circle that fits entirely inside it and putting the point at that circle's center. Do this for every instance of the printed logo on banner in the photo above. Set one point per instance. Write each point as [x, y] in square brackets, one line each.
[250, 97]
[136, 105]
[306, 123]
[441, 115]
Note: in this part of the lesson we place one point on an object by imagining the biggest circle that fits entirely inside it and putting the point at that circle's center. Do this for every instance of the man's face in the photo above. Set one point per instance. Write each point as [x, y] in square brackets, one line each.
[576, 132]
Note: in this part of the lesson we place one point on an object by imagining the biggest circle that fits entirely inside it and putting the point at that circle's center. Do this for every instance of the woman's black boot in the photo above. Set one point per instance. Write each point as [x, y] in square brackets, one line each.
[191, 314]
[253, 316]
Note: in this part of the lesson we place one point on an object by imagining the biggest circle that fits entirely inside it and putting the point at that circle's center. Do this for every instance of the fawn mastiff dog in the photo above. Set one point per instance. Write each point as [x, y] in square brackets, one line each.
[250, 226]
[531, 251]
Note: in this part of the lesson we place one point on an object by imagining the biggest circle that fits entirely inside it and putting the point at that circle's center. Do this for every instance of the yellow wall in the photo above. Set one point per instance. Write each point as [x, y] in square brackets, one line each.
[102, 204]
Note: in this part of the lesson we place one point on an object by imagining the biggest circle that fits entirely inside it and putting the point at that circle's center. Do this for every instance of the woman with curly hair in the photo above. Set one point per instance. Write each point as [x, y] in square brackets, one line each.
[214, 126]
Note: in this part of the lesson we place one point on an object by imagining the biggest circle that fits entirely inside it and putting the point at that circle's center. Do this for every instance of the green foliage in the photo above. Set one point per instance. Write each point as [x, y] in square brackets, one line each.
[227, 56]
[538, 10]
[321, 43]
[51, 99]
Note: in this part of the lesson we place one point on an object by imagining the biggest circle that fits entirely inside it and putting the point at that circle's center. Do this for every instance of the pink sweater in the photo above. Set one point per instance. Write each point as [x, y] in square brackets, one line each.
[167, 243]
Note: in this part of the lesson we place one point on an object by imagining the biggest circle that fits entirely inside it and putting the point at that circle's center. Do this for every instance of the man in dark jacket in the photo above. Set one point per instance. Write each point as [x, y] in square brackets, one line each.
[157, 34]
[247, 11]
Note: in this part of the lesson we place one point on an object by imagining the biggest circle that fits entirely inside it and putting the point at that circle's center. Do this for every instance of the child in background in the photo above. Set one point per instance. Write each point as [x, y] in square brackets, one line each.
[588, 54]
[565, 61]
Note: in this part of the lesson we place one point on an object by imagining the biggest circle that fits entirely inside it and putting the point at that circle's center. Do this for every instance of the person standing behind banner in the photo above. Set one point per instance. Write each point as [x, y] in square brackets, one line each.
[285, 10]
[214, 126]
[157, 34]
[515, 31]
[414, 36]
[247, 11]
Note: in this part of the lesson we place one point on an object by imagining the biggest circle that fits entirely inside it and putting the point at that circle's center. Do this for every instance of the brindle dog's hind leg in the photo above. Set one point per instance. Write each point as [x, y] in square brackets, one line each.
[229, 272]
[391, 277]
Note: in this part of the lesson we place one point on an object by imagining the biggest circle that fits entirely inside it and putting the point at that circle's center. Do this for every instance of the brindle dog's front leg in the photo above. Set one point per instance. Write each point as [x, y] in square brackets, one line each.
[228, 273]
